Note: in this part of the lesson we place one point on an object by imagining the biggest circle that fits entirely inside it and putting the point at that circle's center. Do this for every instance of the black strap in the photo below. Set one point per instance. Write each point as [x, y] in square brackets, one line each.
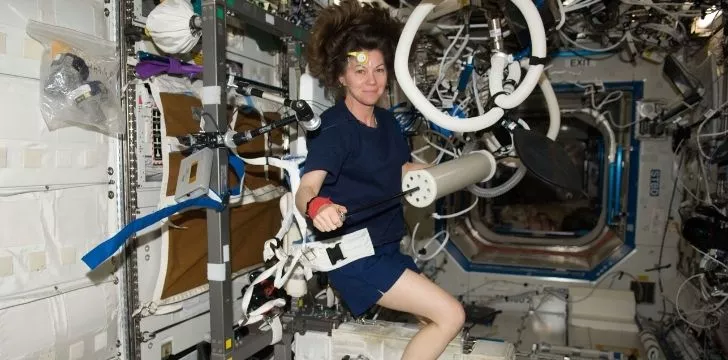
[533, 60]
[491, 101]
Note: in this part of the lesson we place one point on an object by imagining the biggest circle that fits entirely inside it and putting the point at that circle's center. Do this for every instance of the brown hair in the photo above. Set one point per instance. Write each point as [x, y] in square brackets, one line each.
[349, 26]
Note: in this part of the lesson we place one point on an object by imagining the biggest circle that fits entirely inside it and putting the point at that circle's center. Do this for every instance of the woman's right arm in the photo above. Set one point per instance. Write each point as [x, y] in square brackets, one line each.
[328, 217]
[309, 188]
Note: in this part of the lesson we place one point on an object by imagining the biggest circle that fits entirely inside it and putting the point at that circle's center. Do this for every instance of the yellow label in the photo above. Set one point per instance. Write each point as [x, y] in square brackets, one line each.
[228, 344]
[643, 278]
[193, 172]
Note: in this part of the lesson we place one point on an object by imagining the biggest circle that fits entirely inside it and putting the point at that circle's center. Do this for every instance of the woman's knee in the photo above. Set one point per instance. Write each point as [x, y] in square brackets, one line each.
[451, 317]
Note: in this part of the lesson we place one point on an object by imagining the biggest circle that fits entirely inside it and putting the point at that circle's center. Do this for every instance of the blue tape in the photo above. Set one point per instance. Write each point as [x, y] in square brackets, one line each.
[616, 202]
[239, 167]
[522, 53]
[106, 249]
[465, 77]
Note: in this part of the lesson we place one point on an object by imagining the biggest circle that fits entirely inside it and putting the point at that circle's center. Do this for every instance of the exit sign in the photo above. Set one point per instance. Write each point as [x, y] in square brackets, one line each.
[580, 63]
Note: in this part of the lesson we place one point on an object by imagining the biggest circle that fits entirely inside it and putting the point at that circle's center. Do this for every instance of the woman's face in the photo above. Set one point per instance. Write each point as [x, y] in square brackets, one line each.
[365, 76]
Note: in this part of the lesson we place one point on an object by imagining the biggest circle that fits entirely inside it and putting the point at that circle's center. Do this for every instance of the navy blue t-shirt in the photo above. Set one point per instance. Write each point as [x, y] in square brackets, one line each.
[363, 165]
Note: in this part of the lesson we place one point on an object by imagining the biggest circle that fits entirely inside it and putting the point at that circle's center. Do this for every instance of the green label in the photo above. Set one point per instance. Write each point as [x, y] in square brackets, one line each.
[231, 3]
[220, 13]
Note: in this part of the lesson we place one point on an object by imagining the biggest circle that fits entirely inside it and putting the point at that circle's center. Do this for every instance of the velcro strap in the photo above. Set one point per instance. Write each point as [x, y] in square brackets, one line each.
[533, 60]
[313, 206]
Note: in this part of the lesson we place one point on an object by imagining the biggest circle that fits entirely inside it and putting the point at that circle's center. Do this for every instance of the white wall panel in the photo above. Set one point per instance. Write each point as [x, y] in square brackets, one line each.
[54, 205]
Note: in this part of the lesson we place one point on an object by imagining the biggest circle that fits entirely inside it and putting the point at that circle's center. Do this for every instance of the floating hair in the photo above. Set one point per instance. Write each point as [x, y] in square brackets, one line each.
[349, 26]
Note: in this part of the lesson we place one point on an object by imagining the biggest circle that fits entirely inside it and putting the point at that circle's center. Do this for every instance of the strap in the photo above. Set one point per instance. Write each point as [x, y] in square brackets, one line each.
[534, 60]
[491, 101]
[276, 329]
[106, 249]
[313, 205]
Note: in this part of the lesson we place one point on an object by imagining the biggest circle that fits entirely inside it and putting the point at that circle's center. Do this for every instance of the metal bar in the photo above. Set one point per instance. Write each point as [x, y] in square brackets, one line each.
[283, 350]
[303, 323]
[261, 85]
[272, 24]
[128, 176]
[214, 43]
[252, 343]
[380, 202]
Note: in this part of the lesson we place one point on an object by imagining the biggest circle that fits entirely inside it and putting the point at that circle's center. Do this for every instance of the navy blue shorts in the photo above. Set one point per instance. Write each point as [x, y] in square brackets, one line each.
[362, 283]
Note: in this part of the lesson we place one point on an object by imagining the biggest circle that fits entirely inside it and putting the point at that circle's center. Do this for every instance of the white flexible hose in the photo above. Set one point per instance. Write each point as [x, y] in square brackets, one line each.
[600, 119]
[476, 94]
[416, 254]
[407, 84]
[552, 104]
[514, 74]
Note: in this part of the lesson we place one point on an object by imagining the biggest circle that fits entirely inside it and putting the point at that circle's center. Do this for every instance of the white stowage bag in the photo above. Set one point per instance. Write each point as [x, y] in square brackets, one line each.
[169, 25]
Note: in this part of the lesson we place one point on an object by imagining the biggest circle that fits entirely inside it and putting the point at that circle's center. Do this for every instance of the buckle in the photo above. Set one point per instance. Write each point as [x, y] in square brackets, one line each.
[335, 253]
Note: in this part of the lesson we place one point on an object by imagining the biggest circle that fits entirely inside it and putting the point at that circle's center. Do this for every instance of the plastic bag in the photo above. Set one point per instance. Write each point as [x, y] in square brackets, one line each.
[79, 79]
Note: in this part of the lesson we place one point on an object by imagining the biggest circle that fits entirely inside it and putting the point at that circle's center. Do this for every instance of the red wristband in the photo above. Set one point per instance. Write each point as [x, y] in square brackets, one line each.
[315, 204]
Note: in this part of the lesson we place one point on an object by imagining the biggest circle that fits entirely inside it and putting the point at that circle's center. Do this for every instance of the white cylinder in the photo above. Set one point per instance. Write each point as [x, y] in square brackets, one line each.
[651, 345]
[296, 285]
[448, 177]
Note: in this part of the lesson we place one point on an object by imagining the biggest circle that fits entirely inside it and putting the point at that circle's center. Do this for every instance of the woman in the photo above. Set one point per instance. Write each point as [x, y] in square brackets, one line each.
[358, 156]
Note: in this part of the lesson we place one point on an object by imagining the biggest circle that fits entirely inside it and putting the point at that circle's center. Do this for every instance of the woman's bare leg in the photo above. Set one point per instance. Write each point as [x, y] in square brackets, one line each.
[421, 297]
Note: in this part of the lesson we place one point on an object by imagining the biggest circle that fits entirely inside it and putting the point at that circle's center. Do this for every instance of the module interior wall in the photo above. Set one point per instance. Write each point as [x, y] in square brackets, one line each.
[51, 307]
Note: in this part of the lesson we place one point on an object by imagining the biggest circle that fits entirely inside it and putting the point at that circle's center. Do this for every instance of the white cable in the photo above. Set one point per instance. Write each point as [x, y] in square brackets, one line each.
[437, 147]
[710, 257]
[554, 111]
[454, 27]
[600, 119]
[593, 289]
[429, 111]
[442, 68]
[416, 253]
[704, 175]
[680, 313]
[581, 5]
[459, 213]
[609, 48]
[562, 13]
[476, 95]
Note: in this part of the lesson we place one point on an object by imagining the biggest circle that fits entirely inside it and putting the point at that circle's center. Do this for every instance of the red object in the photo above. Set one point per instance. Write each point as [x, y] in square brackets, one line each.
[315, 204]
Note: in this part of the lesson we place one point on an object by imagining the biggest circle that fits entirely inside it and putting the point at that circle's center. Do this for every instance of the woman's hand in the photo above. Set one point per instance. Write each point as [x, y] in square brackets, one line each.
[330, 217]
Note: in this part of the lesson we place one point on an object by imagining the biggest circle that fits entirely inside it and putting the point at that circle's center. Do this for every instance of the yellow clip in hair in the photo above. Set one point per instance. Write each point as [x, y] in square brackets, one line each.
[360, 56]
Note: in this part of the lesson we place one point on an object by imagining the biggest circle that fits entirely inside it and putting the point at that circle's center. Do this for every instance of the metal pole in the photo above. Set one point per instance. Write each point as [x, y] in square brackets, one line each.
[128, 178]
[214, 43]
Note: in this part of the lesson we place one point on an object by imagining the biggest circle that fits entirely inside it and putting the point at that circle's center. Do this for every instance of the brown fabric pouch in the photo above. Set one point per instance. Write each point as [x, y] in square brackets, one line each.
[250, 225]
